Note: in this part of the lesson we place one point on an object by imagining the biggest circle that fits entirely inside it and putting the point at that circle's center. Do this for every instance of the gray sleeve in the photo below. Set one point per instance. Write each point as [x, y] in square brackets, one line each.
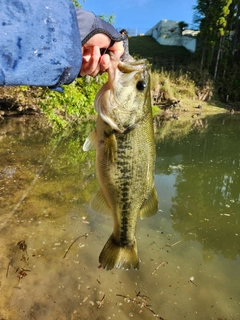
[89, 25]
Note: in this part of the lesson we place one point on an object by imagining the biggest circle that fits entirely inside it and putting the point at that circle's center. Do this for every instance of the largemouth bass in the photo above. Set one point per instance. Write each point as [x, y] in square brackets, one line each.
[125, 158]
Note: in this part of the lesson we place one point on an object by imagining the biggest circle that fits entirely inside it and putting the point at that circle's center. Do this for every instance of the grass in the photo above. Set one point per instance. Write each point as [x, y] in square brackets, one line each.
[159, 55]
[174, 77]
[147, 45]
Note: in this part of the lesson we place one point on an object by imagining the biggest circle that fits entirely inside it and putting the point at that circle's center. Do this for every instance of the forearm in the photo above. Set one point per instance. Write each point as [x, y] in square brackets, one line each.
[39, 43]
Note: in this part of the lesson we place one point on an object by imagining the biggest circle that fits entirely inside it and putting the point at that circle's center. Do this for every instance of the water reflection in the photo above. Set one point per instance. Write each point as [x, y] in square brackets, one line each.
[205, 202]
[46, 184]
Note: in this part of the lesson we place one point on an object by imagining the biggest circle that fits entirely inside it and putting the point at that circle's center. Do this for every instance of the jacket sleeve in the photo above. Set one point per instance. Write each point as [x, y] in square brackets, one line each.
[39, 43]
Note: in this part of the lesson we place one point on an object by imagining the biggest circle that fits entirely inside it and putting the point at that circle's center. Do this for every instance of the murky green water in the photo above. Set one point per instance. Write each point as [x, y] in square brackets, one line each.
[50, 240]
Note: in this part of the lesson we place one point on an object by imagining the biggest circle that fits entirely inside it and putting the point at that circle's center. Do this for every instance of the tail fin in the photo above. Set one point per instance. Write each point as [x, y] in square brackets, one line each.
[113, 255]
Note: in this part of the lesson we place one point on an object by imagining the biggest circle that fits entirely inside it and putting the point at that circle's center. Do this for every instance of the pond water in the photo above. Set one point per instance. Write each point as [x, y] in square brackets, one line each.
[50, 239]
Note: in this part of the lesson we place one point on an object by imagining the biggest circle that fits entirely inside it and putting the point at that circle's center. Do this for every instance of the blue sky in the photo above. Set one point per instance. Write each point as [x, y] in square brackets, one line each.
[141, 15]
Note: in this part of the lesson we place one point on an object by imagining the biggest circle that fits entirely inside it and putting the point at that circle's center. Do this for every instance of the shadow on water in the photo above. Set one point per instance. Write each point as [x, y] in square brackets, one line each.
[50, 239]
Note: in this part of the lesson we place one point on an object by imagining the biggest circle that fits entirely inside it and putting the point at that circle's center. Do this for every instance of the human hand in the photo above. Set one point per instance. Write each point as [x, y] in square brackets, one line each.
[93, 61]
[97, 36]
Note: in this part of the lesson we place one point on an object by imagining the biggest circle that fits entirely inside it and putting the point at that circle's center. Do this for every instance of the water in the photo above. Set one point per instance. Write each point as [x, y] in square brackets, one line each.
[50, 240]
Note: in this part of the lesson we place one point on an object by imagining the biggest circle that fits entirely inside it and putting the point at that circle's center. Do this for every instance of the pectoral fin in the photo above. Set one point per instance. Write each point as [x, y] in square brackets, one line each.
[110, 144]
[99, 204]
[91, 141]
[150, 206]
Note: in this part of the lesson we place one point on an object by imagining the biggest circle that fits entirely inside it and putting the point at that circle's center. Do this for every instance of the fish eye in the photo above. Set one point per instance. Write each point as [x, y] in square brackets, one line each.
[141, 85]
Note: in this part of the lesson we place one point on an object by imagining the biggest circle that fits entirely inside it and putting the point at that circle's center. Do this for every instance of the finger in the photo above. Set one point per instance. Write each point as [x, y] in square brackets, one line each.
[117, 49]
[90, 62]
[99, 39]
[104, 62]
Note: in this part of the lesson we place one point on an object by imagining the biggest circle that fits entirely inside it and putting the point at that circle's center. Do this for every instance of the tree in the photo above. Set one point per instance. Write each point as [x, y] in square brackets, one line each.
[221, 25]
[182, 25]
[213, 17]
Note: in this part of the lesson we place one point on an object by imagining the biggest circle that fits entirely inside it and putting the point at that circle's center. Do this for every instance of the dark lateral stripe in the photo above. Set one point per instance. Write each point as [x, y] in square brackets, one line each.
[123, 163]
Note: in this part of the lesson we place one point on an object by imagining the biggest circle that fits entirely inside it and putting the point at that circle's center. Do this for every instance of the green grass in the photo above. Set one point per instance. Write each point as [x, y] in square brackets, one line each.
[160, 56]
[147, 45]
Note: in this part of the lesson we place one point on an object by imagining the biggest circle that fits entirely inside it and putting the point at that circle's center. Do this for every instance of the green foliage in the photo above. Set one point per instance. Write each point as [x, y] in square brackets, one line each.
[77, 4]
[219, 38]
[108, 18]
[74, 104]
[182, 25]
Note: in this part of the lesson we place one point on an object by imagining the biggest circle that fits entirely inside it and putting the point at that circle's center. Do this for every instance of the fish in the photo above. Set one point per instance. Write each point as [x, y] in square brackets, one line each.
[125, 158]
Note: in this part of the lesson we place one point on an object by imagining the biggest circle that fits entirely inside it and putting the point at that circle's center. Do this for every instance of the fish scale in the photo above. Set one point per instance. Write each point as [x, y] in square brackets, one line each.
[125, 159]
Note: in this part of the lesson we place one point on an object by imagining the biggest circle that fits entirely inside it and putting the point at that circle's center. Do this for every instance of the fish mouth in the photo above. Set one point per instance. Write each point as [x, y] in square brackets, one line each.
[131, 67]
[120, 73]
